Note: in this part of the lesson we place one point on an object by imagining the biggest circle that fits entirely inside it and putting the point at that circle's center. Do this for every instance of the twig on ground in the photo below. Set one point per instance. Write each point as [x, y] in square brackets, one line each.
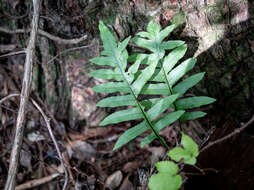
[66, 51]
[54, 141]
[12, 53]
[7, 97]
[235, 132]
[46, 34]
[26, 85]
[51, 135]
[36, 182]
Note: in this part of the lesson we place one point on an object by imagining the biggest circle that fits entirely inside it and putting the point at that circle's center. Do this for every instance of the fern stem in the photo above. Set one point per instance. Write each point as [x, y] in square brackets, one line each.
[163, 142]
[170, 91]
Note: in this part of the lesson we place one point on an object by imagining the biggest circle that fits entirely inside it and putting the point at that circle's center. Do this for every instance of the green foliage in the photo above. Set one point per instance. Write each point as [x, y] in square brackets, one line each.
[167, 178]
[156, 72]
[188, 153]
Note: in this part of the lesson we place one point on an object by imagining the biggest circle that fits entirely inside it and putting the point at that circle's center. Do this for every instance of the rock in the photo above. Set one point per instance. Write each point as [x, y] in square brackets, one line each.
[114, 180]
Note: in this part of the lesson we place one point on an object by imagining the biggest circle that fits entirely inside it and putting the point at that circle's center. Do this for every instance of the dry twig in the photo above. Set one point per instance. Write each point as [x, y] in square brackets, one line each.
[235, 132]
[36, 182]
[46, 34]
[66, 51]
[7, 97]
[54, 141]
[12, 53]
[26, 85]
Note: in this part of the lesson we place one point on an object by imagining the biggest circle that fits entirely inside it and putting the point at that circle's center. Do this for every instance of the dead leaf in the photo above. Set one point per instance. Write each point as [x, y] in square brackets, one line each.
[127, 185]
[80, 150]
[129, 167]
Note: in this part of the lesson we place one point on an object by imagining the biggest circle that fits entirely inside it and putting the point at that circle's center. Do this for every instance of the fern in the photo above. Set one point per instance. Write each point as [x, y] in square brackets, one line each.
[133, 81]
[115, 56]
[154, 73]
[168, 74]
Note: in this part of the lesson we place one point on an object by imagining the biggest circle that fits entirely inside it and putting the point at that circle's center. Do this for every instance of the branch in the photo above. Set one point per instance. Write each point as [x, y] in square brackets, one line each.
[32, 183]
[235, 132]
[7, 97]
[12, 53]
[54, 141]
[66, 51]
[46, 34]
[36, 182]
[26, 85]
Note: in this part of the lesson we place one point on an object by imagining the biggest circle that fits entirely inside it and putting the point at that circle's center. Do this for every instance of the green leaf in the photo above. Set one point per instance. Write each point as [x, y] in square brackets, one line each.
[161, 106]
[178, 153]
[154, 112]
[165, 32]
[130, 134]
[164, 181]
[134, 67]
[160, 124]
[192, 115]
[188, 153]
[122, 45]
[186, 84]
[111, 87]
[149, 102]
[145, 35]
[123, 115]
[181, 70]
[132, 58]
[177, 72]
[116, 101]
[109, 42]
[189, 145]
[169, 62]
[155, 89]
[146, 44]
[193, 102]
[107, 61]
[121, 60]
[167, 167]
[143, 77]
[153, 27]
[171, 44]
[105, 74]
[191, 161]
[173, 57]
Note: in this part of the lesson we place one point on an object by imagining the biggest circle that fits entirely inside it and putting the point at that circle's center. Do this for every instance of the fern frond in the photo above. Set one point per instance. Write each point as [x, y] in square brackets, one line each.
[161, 105]
[128, 82]
[168, 73]
[158, 75]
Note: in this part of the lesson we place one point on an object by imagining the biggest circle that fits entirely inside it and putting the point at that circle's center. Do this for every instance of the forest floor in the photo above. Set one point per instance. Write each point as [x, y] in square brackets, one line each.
[63, 89]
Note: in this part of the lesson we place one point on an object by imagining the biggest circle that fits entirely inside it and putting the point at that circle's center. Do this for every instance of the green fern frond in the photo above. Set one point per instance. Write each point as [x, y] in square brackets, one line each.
[115, 56]
[168, 73]
[155, 73]
[160, 75]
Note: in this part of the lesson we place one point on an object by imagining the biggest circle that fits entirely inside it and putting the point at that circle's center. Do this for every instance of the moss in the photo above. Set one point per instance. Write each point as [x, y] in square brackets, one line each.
[230, 60]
